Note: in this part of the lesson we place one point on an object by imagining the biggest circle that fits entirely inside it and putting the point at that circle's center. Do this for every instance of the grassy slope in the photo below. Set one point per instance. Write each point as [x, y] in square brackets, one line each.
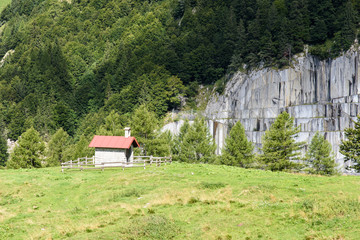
[182, 201]
[3, 4]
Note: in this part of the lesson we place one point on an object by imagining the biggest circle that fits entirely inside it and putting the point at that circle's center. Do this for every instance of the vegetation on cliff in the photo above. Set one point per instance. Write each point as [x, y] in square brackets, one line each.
[80, 57]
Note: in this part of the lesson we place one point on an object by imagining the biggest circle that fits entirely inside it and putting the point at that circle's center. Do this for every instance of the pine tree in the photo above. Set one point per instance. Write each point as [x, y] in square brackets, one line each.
[56, 148]
[3, 151]
[81, 149]
[197, 144]
[320, 158]
[279, 146]
[178, 139]
[144, 124]
[28, 152]
[347, 23]
[161, 145]
[113, 126]
[238, 150]
[350, 148]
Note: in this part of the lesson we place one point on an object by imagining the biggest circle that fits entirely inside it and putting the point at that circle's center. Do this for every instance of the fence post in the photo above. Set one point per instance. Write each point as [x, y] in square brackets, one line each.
[151, 159]
[94, 160]
[71, 163]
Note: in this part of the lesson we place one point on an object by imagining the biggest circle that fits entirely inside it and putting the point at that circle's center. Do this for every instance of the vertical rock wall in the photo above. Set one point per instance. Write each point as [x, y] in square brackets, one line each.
[321, 96]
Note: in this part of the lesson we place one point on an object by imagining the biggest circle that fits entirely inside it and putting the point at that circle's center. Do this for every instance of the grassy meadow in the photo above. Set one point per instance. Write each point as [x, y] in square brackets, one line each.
[178, 201]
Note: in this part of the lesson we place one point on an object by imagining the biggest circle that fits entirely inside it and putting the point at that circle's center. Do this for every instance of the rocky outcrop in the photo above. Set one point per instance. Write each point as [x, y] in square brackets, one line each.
[7, 54]
[321, 96]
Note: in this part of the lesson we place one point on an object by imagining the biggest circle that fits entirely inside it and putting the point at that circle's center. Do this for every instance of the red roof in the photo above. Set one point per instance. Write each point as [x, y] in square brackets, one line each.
[113, 142]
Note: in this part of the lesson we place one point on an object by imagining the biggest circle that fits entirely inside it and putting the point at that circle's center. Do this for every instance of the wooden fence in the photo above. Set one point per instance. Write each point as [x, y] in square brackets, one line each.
[90, 163]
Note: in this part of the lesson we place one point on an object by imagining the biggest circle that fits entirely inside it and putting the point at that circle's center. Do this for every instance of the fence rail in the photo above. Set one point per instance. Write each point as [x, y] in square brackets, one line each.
[87, 163]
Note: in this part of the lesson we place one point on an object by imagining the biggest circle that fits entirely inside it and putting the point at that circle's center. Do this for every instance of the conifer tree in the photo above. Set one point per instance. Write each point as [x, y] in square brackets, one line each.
[3, 151]
[350, 147]
[319, 157]
[279, 146]
[56, 149]
[178, 139]
[238, 150]
[144, 124]
[113, 126]
[161, 145]
[197, 144]
[81, 149]
[28, 152]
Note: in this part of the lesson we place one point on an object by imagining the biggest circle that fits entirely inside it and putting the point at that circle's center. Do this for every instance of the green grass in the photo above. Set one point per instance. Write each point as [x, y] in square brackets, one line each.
[4, 3]
[180, 201]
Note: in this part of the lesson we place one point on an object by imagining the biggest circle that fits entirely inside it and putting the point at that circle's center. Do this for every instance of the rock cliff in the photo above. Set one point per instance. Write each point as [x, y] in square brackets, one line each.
[321, 95]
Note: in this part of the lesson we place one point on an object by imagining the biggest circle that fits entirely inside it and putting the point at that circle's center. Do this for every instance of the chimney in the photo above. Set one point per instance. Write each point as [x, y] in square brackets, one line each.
[127, 132]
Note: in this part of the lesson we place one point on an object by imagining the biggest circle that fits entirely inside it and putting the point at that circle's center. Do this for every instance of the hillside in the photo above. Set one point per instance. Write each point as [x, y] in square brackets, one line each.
[180, 201]
[73, 59]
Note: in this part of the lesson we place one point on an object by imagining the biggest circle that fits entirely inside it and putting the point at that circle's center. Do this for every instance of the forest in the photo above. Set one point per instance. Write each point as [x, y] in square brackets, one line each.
[89, 67]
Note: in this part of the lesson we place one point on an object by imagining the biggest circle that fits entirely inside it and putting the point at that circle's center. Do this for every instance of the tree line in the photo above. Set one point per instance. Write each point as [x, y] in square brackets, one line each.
[194, 144]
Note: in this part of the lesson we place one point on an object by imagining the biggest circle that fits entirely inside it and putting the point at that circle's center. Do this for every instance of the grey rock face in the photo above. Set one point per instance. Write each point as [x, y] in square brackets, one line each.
[321, 96]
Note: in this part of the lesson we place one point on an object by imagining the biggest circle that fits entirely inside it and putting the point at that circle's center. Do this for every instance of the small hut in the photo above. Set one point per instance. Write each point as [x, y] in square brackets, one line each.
[114, 149]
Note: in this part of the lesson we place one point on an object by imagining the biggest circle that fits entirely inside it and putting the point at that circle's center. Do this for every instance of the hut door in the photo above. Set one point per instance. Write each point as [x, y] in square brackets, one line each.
[128, 154]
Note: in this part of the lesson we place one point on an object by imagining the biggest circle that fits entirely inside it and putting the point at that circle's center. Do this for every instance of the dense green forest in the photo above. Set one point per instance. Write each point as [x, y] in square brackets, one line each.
[77, 63]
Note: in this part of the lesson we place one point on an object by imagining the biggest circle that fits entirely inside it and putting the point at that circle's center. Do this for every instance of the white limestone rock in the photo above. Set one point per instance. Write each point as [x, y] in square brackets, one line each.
[321, 95]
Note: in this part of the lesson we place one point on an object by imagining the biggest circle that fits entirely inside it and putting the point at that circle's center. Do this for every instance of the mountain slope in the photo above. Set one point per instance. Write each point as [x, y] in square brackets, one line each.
[77, 57]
